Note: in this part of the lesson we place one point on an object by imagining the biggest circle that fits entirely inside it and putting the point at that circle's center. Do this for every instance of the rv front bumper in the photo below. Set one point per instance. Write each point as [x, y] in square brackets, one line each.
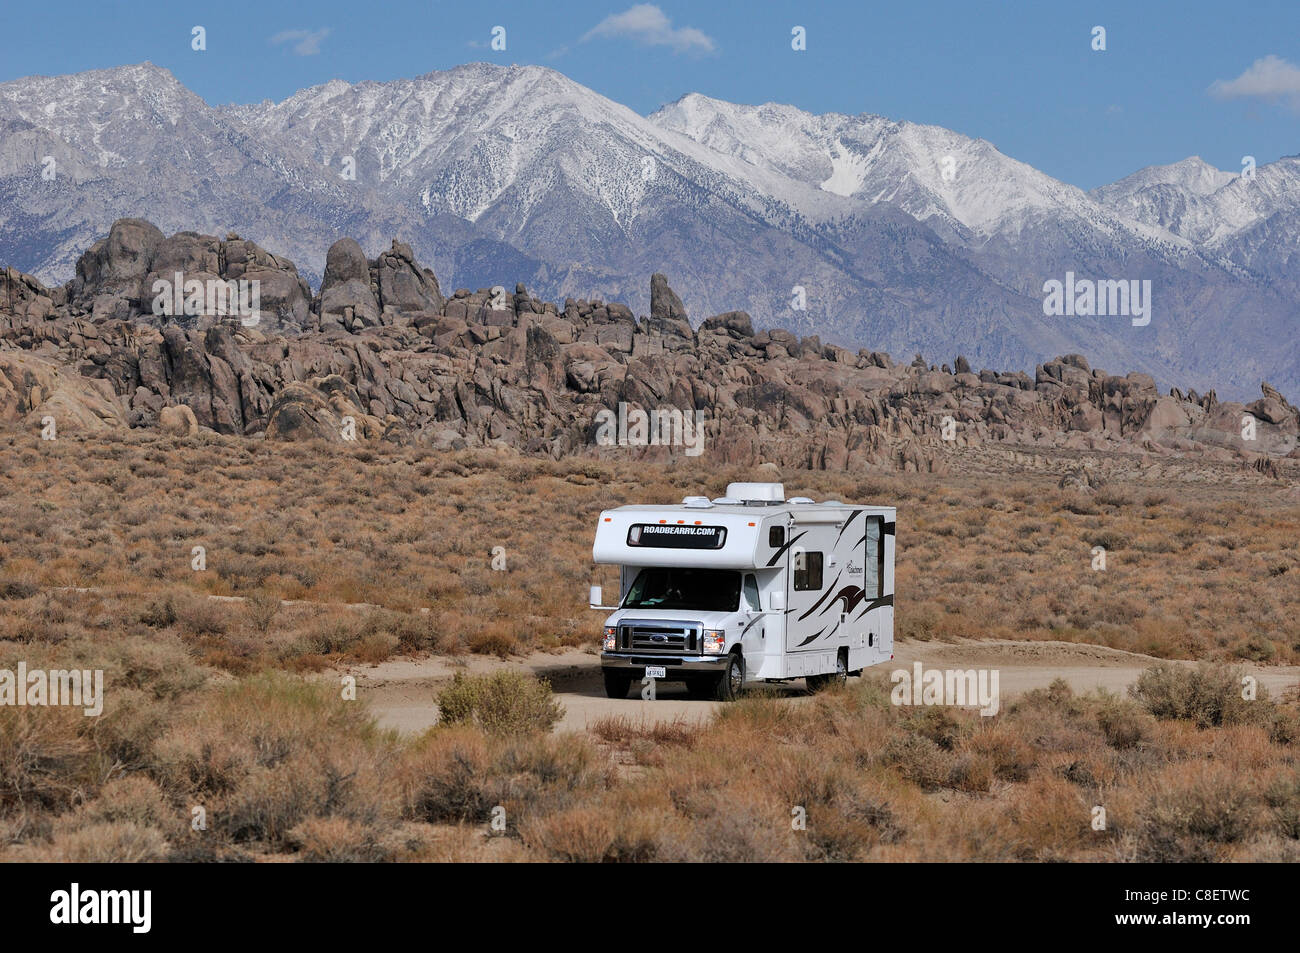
[631, 663]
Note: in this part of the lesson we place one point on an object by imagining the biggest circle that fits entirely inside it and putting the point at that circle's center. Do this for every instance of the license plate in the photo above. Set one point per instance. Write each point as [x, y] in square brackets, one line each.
[656, 671]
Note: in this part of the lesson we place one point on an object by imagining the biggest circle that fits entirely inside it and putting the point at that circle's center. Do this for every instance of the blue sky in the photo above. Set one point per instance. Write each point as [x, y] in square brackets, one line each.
[1022, 75]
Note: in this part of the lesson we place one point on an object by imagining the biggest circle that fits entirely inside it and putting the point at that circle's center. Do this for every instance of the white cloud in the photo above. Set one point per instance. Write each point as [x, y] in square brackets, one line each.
[647, 24]
[1271, 78]
[305, 42]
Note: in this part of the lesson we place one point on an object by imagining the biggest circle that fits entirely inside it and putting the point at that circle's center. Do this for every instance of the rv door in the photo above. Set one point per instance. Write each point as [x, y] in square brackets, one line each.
[813, 614]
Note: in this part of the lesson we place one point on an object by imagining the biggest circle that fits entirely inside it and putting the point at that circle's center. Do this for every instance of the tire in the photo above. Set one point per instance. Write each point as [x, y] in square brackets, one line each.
[837, 678]
[616, 685]
[840, 676]
[732, 679]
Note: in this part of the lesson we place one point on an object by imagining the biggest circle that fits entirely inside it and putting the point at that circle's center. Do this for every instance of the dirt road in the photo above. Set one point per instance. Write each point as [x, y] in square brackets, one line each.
[401, 692]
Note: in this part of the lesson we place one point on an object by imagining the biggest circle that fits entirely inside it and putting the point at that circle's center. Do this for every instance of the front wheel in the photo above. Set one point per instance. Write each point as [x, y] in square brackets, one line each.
[731, 680]
[616, 685]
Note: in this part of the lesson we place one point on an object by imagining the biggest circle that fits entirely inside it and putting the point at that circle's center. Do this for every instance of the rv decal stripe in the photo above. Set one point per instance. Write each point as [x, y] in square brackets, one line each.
[812, 638]
[850, 596]
[846, 524]
[876, 604]
[781, 552]
[889, 529]
[825, 596]
[750, 626]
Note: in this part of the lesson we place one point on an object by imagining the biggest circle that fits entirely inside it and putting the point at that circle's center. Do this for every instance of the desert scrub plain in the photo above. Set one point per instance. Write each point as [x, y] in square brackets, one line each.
[335, 553]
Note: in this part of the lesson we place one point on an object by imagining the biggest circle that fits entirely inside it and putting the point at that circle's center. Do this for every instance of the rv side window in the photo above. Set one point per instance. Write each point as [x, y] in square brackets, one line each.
[751, 594]
[808, 572]
[873, 578]
[776, 536]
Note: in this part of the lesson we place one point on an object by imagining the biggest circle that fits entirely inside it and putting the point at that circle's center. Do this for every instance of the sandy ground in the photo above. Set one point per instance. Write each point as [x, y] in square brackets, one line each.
[401, 691]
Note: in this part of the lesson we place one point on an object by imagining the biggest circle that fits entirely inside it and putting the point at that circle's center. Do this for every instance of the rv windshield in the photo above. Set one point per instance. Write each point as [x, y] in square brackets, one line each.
[698, 590]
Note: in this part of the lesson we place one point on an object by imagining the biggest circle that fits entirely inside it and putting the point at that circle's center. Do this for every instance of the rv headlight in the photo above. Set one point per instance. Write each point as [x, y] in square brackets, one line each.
[715, 641]
[611, 638]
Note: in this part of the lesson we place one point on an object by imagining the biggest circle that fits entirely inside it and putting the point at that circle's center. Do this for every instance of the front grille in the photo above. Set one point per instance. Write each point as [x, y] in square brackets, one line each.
[655, 636]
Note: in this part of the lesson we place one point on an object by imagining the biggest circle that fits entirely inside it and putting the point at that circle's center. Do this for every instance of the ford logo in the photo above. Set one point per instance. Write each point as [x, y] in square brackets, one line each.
[659, 638]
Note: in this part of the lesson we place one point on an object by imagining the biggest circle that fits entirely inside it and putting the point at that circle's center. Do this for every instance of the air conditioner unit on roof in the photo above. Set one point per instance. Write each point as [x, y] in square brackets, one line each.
[757, 492]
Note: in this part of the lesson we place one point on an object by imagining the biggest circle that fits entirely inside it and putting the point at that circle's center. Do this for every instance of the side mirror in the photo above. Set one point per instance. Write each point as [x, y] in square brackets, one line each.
[594, 601]
[777, 602]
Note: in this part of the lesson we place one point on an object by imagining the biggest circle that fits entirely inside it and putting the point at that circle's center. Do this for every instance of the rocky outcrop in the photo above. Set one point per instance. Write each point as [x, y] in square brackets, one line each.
[349, 300]
[392, 289]
[188, 280]
[35, 390]
[178, 420]
[380, 354]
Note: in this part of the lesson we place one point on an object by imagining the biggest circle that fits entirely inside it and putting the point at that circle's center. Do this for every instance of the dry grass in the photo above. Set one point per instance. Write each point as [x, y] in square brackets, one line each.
[209, 713]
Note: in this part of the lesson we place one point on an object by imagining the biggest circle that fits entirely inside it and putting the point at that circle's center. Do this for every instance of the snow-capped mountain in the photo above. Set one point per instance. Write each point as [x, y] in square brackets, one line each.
[902, 237]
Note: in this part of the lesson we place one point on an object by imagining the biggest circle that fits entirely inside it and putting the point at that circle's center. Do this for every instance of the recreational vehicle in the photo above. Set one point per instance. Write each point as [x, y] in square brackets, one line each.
[748, 587]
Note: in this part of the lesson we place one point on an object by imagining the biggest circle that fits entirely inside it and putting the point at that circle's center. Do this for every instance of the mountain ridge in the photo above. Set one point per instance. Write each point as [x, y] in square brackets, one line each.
[485, 169]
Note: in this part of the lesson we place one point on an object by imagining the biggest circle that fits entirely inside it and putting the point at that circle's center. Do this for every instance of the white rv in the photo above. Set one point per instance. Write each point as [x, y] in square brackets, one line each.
[749, 587]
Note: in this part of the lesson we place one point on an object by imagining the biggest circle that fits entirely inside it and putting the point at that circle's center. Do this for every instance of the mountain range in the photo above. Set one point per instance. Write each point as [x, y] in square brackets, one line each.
[866, 231]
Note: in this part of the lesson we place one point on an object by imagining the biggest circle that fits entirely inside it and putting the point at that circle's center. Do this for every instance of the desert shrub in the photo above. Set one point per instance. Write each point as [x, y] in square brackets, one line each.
[1049, 820]
[461, 773]
[410, 632]
[1208, 695]
[445, 778]
[17, 589]
[159, 666]
[330, 636]
[502, 703]
[337, 840]
[1010, 755]
[971, 772]
[578, 835]
[1109, 539]
[260, 609]
[1192, 811]
[940, 725]
[160, 611]
[917, 623]
[1283, 799]
[619, 729]
[47, 757]
[269, 752]
[199, 615]
[1123, 723]
[133, 799]
[116, 842]
[1255, 647]
[919, 760]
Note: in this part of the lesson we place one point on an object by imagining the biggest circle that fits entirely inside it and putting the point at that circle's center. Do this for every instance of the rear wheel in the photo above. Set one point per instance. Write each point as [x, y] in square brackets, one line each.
[616, 685]
[817, 683]
[841, 673]
[731, 680]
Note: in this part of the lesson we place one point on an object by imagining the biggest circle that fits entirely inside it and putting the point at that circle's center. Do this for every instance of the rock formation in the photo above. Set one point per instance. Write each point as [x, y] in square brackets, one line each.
[382, 346]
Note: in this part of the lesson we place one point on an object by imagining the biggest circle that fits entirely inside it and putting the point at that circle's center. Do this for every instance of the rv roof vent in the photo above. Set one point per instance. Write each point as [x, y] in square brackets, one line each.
[800, 499]
[757, 492]
[726, 501]
[697, 502]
